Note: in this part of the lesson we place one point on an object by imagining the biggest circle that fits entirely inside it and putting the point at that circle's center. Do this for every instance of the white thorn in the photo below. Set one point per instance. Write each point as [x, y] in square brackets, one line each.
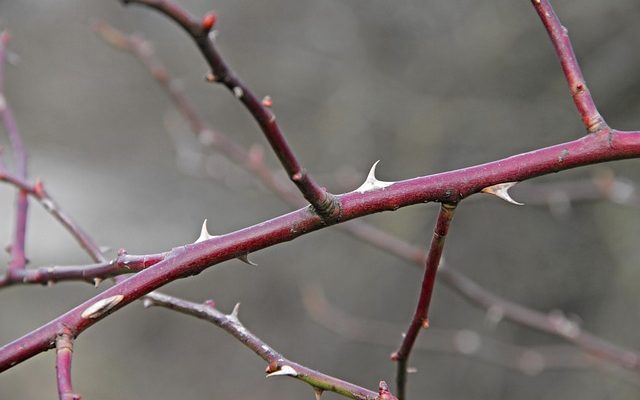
[146, 303]
[502, 191]
[317, 392]
[204, 233]
[96, 282]
[412, 370]
[245, 259]
[235, 312]
[284, 370]
[238, 92]
[100, 307]
[372, 183]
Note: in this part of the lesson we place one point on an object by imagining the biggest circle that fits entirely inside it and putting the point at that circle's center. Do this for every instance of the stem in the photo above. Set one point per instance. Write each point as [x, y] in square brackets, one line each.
[64, 355]
[421, 315]
[559, 36]
[276, 361]
[445, 188]
[323, 202]
[18, 256]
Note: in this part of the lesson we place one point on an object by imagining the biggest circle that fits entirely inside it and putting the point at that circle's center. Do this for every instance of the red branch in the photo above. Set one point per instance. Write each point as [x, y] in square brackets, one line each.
[421, 316]
[18, 256]
[447, 187]
[605, 186]
[322, 201]
[559, 36]
[64, 355]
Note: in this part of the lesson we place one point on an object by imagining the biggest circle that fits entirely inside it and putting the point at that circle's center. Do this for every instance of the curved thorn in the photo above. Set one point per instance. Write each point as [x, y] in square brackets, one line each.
[372, 183]
[245, 259]
[501, 190]
[284, 370]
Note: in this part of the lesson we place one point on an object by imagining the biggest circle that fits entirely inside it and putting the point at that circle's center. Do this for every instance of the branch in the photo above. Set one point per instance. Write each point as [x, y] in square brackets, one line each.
[421, 315]
[64, 354]
[277, 363]
[94, 273]
[323, 202]
[559, 36]
[18, 256]
[143, 50]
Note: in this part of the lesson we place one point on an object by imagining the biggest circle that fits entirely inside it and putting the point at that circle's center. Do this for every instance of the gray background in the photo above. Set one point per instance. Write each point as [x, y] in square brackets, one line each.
[425, 86]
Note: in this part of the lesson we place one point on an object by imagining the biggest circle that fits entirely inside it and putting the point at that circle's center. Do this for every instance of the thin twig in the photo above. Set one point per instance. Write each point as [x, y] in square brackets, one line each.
[421, 316]
[93, 273]
[277, 363]
[559, 36]
[323, 202]
[18, 254]
[64, 355]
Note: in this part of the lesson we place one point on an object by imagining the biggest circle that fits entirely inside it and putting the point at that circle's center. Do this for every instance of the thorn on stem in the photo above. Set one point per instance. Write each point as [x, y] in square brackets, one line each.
[317, 392]
[210, 77]
[96, 282]
[501, 190]
[372, 183]
[204, 233]
[286, 370]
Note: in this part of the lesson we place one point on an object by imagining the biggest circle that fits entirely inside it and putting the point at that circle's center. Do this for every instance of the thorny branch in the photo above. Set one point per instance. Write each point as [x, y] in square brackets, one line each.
[323, 202]
[604, 186]
[451, 187]
[277, 363]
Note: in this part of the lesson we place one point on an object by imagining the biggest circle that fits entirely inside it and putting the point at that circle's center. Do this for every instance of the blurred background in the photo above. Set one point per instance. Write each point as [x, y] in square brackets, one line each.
[424, 86]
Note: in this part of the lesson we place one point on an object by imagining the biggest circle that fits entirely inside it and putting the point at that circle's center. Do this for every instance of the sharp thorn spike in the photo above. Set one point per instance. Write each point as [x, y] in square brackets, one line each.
[284, 370]
[372, 183]
[235, 312]
[204, 233]
[245, 259]
[96, 282]
[318, 392]
[501, 190]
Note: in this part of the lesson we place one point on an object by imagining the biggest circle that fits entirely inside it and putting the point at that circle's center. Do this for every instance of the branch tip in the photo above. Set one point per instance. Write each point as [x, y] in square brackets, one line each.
[209, 21]
[267, 101]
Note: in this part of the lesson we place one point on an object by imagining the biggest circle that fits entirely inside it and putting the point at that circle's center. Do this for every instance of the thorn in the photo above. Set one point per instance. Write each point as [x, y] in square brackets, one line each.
[372, 183]
[209, 21]
[425, 323]
[122, 252]
[101, 307]
[235, 311]
[210, 303]
[412, 370]
[146, 303]
[267, 101]
[96, 282]
[395, 356]
[318, 392]
[238, 92]
[245, 259]
[502, 191]
[204, 233]
[284, 370]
